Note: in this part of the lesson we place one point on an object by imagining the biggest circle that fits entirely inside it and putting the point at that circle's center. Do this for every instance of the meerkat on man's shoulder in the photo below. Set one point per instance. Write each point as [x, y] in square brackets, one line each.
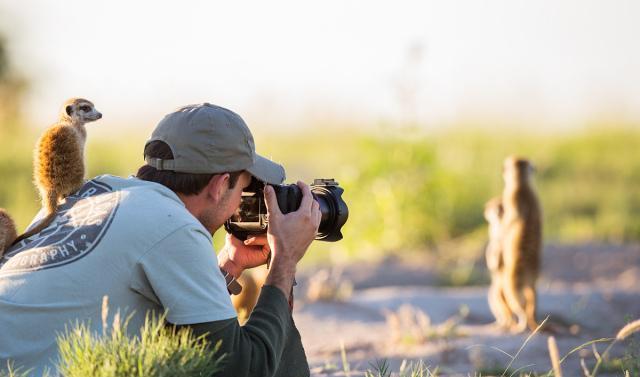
[59, 166]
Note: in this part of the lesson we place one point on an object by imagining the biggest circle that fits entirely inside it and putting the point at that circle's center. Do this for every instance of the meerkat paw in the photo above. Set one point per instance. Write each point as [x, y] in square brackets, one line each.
[499, 326]
[518, 328]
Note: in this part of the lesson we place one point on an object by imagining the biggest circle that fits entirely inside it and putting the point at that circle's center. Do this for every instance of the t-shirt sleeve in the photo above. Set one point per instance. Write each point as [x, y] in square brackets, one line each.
[181, 274]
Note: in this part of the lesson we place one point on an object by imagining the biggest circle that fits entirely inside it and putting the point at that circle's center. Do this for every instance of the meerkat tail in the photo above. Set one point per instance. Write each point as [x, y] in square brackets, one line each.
[50, 203]
[36, 229]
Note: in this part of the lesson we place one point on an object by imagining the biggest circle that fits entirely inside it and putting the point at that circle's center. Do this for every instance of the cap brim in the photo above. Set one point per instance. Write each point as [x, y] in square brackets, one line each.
[267, 171]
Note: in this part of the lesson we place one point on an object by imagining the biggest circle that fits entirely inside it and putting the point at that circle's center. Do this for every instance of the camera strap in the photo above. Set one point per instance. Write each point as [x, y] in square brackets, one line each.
[233, 286]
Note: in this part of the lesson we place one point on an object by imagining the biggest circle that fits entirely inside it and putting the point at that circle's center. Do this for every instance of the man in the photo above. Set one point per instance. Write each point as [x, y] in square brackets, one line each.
[146, 243]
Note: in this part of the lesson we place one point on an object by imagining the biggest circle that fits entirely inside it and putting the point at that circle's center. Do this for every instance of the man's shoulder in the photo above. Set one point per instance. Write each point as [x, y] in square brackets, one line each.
[148, 206]
[132, 188]
[131, 182]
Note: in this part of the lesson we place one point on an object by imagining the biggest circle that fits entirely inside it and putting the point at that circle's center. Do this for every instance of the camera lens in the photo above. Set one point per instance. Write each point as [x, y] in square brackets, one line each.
[328, 194]
[332, 207]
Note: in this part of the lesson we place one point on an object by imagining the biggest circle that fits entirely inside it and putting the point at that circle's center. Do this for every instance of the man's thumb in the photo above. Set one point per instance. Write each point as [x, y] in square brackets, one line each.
[271, 201]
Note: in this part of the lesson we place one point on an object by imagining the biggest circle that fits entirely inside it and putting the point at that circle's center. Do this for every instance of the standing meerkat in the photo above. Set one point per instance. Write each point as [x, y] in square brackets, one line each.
[493, 213]
[521, 242]
[59, 158]
[8, 231]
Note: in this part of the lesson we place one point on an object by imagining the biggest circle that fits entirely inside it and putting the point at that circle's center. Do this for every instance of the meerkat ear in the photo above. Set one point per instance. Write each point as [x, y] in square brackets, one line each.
[68, 109]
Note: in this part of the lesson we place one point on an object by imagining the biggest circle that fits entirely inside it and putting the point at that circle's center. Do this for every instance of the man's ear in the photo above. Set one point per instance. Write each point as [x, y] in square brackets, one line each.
[218, 186]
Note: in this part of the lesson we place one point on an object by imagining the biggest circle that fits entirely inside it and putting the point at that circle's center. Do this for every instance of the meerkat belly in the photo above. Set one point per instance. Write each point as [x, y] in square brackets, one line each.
[531, 247]
[60, 163]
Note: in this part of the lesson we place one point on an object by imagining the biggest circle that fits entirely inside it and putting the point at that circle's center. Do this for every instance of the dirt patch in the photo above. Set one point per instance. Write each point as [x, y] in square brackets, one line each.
[587, 291]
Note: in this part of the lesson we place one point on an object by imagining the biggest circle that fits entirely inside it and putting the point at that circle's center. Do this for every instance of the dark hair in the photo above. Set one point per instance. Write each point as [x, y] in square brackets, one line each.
[183, 183]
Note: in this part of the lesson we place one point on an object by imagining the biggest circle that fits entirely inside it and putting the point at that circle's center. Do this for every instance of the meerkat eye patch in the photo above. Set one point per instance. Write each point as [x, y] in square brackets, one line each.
[85, 108]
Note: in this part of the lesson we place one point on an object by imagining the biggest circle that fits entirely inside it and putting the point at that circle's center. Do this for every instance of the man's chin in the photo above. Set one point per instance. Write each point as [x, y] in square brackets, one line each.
[214, 229]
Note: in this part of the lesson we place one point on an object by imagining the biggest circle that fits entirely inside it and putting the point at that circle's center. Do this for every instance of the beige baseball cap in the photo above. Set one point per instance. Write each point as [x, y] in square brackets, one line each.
[209, 139]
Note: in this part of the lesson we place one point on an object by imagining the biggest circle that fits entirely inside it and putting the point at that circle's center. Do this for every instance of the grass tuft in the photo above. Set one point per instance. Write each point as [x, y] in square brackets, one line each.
[418, 369]
[11, 371]
[158, 351]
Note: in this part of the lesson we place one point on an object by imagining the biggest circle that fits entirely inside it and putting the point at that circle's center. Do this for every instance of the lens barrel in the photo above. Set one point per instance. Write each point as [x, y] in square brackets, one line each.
[333, 208]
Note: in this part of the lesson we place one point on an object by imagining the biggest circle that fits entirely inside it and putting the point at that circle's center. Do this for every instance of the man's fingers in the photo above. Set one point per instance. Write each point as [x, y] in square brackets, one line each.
[272, 203]
[232, 240]
[315, 210]
[257, 241]
[307, 197]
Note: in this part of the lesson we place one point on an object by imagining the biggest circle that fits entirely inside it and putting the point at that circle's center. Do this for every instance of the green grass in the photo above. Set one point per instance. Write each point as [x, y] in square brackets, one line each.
[158, 351]
[14, 372]
[419, 369]
[412, 191]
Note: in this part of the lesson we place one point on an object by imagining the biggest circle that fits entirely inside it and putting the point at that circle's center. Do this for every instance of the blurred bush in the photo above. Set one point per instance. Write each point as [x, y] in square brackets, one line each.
[12, 87]
[428, 191]
[423, 192]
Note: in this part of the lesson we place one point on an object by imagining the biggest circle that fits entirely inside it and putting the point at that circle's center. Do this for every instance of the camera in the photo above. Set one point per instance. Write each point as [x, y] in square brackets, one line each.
[251, 217]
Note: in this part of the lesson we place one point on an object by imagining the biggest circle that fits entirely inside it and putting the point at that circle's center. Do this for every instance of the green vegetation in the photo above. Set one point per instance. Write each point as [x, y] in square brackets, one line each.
[14, 372]
[12, 88]
[420, 369]
[158, 351]
[417, 193]
[428, 191]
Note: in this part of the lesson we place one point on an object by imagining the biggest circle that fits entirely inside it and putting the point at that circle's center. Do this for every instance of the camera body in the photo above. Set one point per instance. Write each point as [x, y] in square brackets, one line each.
[251, 217]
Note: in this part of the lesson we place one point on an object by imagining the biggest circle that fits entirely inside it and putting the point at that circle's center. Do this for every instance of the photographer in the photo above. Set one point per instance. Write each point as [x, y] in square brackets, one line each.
[146, 243]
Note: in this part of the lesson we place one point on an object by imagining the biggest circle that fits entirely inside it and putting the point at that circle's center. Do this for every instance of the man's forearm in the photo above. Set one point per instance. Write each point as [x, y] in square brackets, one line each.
[281, 275]
[256, 349]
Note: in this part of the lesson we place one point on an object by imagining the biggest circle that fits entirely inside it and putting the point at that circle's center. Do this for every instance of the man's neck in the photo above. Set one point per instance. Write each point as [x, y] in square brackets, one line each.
[196, 205]
[192, 203]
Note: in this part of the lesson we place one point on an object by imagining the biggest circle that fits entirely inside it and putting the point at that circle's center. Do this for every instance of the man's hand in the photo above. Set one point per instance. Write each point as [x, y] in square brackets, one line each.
[237, 256]
[289, 236]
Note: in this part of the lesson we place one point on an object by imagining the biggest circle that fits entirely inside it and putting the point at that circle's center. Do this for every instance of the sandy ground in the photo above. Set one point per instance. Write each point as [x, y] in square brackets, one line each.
[588, 292]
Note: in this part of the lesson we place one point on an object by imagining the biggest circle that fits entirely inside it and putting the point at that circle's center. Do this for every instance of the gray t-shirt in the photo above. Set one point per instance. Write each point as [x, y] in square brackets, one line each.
[131, 240]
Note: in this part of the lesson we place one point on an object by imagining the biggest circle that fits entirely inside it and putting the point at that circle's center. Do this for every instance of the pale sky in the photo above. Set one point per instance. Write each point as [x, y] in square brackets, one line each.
[282, 62]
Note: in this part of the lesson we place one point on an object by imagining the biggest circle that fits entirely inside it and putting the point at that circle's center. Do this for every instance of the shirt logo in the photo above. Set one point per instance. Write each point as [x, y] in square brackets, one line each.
[80, 224]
